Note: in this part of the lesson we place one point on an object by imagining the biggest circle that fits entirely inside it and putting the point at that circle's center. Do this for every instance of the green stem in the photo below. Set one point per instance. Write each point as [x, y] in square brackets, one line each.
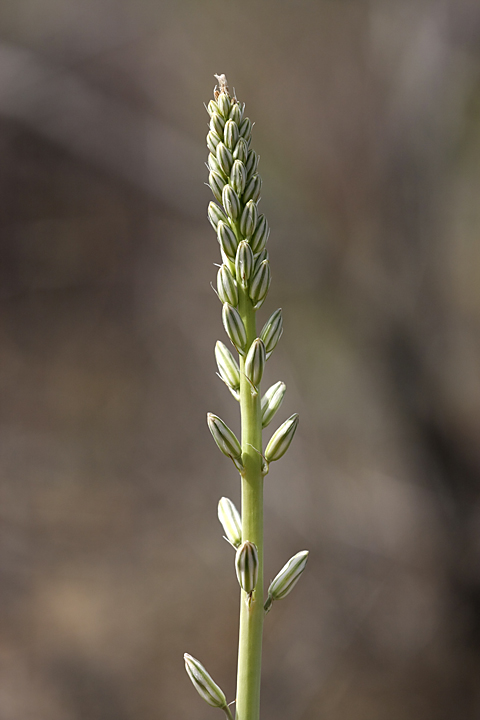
[252, 614]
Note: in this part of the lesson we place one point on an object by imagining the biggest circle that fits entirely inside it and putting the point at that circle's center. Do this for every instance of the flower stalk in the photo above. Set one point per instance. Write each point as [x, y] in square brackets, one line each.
[243, 281]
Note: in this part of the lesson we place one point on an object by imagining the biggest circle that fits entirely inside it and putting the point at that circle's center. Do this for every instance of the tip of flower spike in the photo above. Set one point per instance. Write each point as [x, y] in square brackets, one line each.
[222, 83]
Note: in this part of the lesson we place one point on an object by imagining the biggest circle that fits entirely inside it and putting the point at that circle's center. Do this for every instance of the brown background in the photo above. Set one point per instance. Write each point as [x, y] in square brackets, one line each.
[111, 558]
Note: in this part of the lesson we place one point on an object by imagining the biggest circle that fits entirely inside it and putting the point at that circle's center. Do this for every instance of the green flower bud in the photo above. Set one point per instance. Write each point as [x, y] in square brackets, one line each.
[226, 238]
[230, 201]
[216, 215]
[272, 331]
[248, 219]
[224, 157]
[287, 578]
[236, 114]
[212, 108]
[255, 362]
[203, 683]
[259, 259]
[271, 401]
[281, 439]
[224, 104]
[217, 183]
[230, 134]
[224, 437]
[228, 368]
[243, 263]
[260, 235]
[251, 164]
[245, 128]
[212, 141]
[234, 327]
[231, 521]
[253, 189]
[214, 166]
[217, 124]
[246, 566]
[238, 177]
[241, 151]
[226, 286]
[260, 283]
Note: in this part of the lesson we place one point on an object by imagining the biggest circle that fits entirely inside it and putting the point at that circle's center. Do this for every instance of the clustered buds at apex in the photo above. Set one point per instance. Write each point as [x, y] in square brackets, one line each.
[272, 331]
[244, 263]
[231, 521]
[225, 438]
[226, 286]
[234, 327]
[255, 362]
[271, 401]
[223, 102]
[287, 578]
[246, 566]
[227, 367]
[281, 439]
[203, 683]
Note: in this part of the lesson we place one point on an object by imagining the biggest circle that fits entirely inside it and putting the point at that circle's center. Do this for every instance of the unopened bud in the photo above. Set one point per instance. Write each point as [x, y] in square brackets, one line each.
[224, 157]
[243, 263]
[253, 189]
[272, 331]
[245, 128]
[241, 151]
[281, 439]
[287, 578]
[230, 134]
[212, 108]
[236, 113]
[226, 238]
[248, 220]
[212, 141]
[255, 362]
[246, 565]
[217, 183]
[226, 286]
[260, 283]
[213, 164]
[238, 177]
[203, 683]
[217, 124]
[260, 235]
[230, 202]
[252, 163]
[231, 521]
[227, 366]
[234, 327]
[224, 437]
[271, 401]
[216, 215]
[224, 104]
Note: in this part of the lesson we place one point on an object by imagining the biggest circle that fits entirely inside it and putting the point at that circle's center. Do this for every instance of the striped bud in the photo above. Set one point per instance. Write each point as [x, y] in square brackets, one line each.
[241, 151]
[246, 566]
[212, 141]
[272, 331]
[255, 362]
[230, 202]
[217, 124]
[249, 219]
[224, 157]
[287, 578]
[259, 284]
[243, 263]
[234, 327]
[245, 128]
[258, 259]
[224, 104]
[252, 163]
[217, 183]
[224, 437]
[236, 114]
[212, 108]
[226, 238]
[231, 521]
[227, 366]
[226, 286]
[271, 401]
[203, 683]
[213, 164]
[281, 439]
[260, 236]
[230, 134]
[216, 215]
[238, 177]
[253, 189]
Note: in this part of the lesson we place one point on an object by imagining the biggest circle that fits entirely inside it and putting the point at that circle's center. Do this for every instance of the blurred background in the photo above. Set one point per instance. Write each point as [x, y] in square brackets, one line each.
[112, 561]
